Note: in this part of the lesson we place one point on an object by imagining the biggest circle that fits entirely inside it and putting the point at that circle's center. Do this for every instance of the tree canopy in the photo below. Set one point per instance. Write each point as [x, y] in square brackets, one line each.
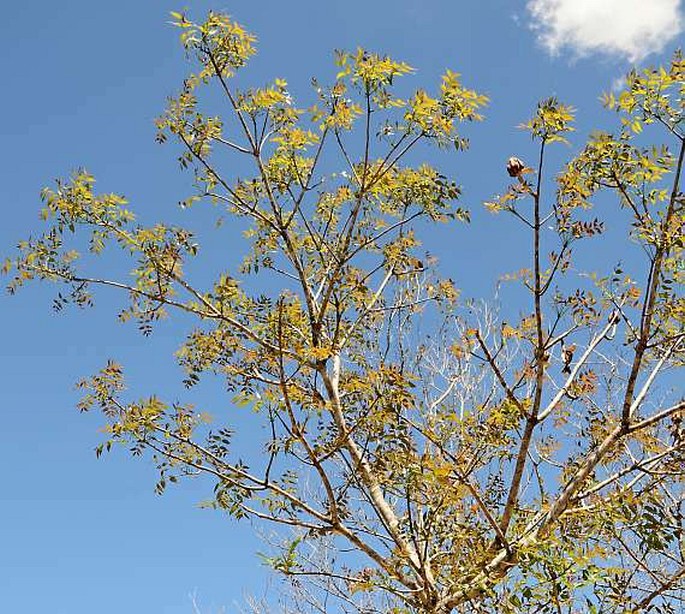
[421, 452]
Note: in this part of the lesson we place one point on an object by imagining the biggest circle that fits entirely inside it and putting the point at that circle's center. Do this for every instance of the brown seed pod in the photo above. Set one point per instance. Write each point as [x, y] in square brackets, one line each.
[515, 166]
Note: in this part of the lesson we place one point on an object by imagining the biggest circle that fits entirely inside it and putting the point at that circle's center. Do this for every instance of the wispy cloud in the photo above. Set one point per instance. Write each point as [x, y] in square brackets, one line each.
[629, 29]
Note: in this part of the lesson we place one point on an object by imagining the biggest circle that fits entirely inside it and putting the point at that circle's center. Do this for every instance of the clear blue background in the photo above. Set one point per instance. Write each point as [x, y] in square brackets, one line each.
[81, 84]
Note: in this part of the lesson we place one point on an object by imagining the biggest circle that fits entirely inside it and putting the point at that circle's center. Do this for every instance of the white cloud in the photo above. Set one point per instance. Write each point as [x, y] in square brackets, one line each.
[629, 29]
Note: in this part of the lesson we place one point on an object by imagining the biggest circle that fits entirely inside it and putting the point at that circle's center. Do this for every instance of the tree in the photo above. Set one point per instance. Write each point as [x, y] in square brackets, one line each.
[423, 454]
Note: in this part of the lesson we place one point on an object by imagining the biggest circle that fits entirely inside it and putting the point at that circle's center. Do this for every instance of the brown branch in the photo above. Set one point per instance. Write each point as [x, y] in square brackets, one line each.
[668, 585]
[532, 416]
[652, 293]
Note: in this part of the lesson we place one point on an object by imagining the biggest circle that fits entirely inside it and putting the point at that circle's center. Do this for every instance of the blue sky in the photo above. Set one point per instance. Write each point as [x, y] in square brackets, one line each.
[82, 83]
